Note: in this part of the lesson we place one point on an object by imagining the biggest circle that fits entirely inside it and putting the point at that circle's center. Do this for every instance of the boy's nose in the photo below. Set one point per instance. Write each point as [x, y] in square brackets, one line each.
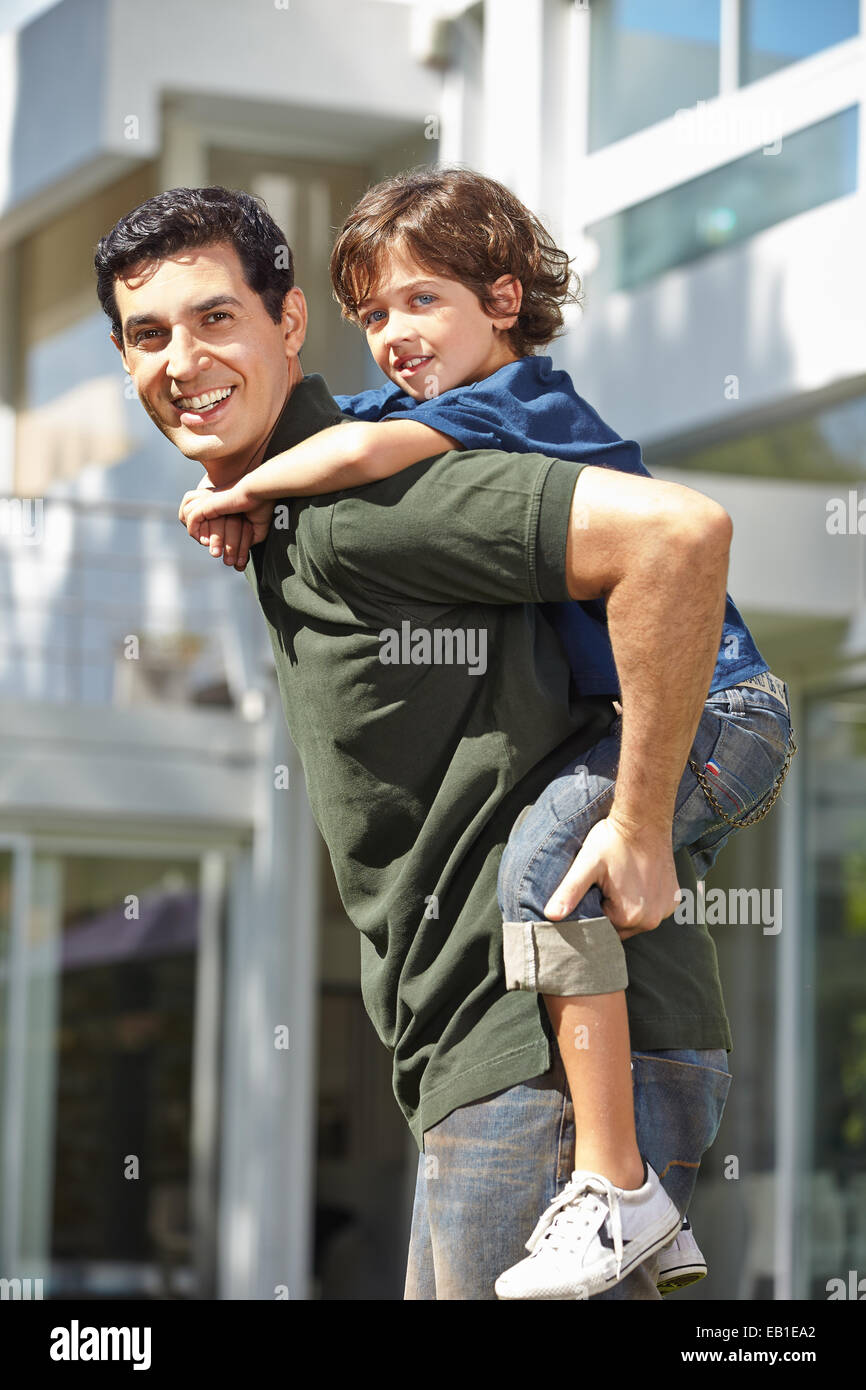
[399, 331]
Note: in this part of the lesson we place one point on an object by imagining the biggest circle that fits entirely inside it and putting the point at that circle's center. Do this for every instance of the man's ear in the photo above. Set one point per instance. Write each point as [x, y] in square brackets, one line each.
[294, 321]
[119, 347]
[507, 296]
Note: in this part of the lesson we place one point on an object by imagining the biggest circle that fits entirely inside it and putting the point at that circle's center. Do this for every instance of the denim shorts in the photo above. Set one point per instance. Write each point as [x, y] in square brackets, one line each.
[741, 745]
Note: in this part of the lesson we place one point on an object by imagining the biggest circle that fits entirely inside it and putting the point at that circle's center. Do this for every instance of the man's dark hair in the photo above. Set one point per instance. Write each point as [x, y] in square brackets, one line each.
[187, 217]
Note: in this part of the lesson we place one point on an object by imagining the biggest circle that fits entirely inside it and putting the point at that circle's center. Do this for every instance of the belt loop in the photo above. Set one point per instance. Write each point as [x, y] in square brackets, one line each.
[770, 684]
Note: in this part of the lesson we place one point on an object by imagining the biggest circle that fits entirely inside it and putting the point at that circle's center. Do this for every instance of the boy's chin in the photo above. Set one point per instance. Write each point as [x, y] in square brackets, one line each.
[416, 392]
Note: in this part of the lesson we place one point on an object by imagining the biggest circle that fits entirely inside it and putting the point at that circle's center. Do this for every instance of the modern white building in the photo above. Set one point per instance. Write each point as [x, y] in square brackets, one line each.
[192, 1100]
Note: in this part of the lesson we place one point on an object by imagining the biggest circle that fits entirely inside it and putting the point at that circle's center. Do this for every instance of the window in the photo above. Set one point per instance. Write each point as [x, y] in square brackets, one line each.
[309, 200]
[775, 33]
[647, 59]
[828, 443]
[727, 205]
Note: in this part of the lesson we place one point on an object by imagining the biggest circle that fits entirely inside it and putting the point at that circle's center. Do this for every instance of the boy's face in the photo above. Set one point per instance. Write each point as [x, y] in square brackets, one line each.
[429, 333]
[211, 368]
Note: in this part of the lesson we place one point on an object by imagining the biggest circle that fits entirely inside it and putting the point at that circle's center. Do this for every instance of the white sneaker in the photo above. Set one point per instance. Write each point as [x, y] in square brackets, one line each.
[591, 1236]
[680, 1263]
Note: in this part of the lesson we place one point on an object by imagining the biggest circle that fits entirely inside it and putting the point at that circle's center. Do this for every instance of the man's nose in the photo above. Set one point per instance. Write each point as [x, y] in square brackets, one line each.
[186, 355]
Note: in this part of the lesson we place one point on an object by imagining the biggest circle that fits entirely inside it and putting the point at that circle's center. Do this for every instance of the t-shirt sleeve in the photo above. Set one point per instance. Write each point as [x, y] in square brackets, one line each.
[383, 402]
[488, 527]
[473, 418]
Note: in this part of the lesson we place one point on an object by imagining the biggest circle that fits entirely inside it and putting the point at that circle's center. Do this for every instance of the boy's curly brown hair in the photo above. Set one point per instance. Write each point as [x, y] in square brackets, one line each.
[460, 224]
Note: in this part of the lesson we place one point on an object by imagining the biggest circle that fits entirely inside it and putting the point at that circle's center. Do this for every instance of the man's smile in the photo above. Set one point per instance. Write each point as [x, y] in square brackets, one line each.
[203, 406]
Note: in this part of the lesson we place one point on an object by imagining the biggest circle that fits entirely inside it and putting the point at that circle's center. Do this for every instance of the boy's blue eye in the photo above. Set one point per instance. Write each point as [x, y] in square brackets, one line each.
[371, 317]
[425, 295]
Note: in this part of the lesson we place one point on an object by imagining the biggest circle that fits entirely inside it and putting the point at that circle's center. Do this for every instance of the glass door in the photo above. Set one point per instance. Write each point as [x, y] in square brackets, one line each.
[833, 1195]
[105, 1109]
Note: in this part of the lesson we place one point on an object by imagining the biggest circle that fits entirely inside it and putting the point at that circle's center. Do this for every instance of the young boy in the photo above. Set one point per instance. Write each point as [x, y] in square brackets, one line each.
[456, 284]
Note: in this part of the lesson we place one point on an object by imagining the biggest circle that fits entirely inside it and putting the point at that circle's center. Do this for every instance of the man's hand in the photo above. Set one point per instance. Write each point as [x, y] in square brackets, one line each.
[635, 873]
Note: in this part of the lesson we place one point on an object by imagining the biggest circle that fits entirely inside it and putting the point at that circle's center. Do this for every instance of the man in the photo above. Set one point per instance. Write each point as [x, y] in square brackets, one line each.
[416, 771]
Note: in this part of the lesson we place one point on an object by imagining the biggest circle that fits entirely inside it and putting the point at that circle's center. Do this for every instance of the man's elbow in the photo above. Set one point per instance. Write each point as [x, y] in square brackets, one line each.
[719, 529]
[707, 528]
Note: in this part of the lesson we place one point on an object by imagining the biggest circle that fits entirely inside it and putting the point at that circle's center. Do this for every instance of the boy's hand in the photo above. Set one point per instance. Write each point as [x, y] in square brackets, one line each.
[635, 872]
[204, 502]
[213, 518]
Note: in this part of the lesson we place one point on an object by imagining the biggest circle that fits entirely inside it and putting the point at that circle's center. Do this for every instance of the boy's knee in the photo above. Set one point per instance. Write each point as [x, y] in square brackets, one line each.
[545, 840]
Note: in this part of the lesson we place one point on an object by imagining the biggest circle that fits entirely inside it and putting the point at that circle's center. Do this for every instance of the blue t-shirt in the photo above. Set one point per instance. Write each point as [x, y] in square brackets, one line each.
[528, 408]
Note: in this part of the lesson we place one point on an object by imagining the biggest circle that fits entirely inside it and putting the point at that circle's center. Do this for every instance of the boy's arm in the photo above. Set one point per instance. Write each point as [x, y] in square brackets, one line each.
[345, 455]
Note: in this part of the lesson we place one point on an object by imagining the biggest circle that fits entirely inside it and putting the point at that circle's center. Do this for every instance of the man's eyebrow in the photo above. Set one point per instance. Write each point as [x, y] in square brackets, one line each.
[214, 302]
[204, 307]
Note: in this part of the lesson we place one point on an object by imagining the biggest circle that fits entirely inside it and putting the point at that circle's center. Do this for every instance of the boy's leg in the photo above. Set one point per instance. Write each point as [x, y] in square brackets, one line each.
[578, 964]
[592, 1034]
[487, 1171]
[489, 1168]
[581, 970]
[591, 1030]
[679, 1099]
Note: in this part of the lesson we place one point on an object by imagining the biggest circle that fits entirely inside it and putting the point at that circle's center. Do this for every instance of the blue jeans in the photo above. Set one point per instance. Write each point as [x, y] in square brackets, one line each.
[741, 744]
[488, 1170]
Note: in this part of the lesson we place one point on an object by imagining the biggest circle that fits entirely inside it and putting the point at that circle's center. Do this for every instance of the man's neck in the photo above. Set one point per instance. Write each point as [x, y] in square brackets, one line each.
[225, 473]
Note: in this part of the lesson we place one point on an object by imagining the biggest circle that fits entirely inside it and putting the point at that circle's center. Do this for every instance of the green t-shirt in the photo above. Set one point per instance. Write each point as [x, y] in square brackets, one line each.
[417, 769]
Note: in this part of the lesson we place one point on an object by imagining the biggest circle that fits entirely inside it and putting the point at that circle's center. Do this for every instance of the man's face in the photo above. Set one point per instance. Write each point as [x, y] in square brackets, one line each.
[211, 368]
[428, 333]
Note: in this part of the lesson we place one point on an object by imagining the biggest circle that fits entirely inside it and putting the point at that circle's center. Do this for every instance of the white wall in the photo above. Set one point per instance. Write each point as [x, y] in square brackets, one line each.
[783, 312]
[86, 80]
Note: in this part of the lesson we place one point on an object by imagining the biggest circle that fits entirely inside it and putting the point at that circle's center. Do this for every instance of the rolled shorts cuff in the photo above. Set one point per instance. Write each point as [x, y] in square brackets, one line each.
[582, 957]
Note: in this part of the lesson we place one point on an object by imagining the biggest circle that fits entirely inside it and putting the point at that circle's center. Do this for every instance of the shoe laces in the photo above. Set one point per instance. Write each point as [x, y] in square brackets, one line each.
[574, 1196]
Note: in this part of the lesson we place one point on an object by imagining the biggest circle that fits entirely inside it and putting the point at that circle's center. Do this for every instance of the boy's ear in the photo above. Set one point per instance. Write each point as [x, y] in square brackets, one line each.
[507, 294]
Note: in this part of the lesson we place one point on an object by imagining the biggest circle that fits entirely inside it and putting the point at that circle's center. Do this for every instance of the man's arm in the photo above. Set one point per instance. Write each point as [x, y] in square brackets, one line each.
[658, 553]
